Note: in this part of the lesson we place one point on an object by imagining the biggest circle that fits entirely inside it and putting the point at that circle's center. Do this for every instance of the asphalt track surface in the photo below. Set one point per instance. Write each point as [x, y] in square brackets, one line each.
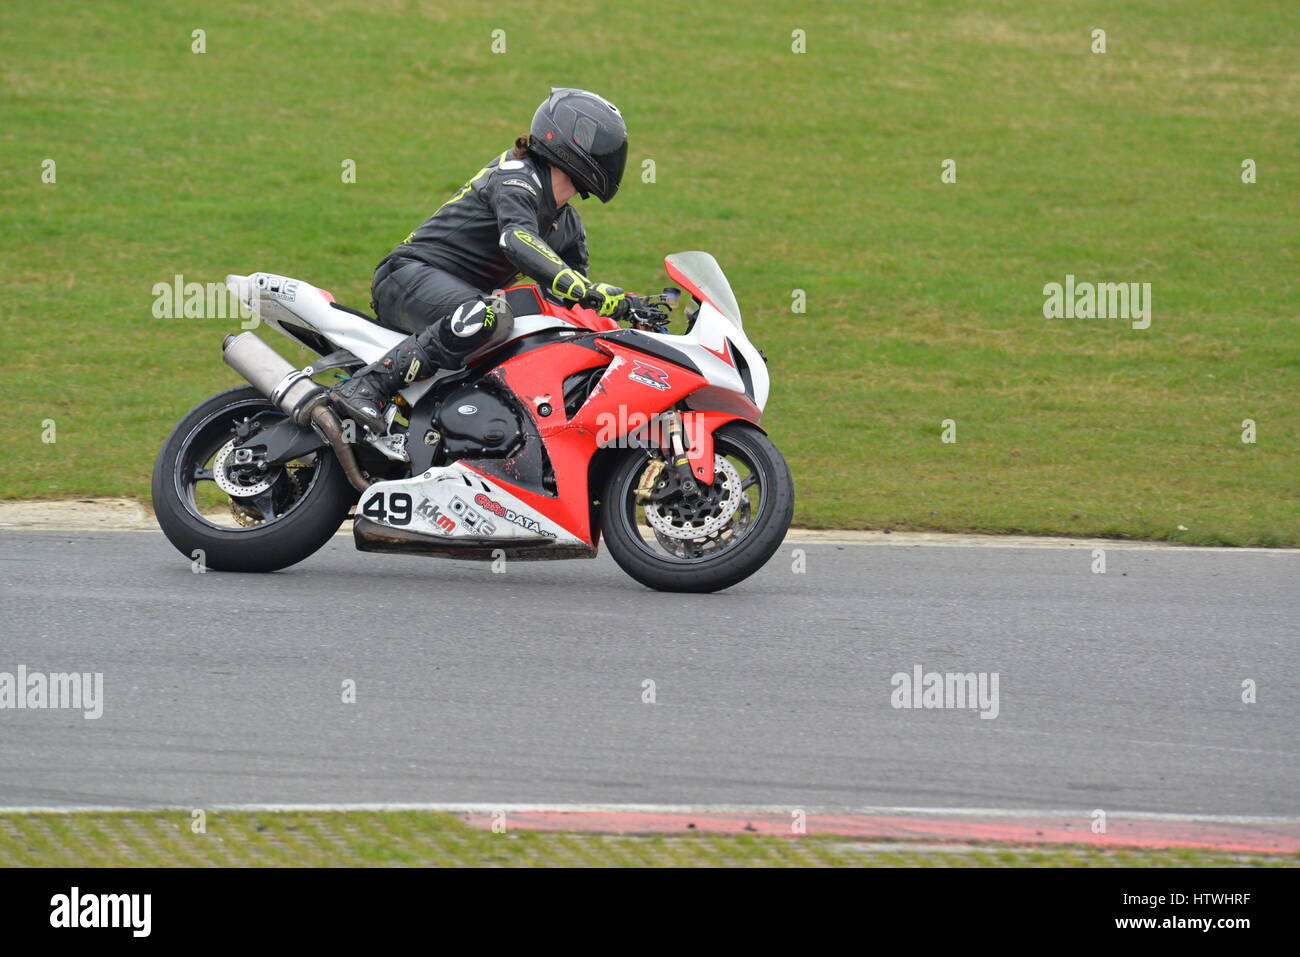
[1118, 691]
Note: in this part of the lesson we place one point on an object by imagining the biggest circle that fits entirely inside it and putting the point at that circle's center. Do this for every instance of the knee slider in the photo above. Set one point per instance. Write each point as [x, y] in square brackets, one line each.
[472, 328]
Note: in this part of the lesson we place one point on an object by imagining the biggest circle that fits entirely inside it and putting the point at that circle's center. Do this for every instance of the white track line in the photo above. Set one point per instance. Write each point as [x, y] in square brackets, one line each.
[489, 808]
[803, 536]
[123, 514]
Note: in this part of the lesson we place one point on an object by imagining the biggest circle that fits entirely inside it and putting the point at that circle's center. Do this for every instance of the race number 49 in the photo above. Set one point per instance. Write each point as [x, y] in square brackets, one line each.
[393, 508]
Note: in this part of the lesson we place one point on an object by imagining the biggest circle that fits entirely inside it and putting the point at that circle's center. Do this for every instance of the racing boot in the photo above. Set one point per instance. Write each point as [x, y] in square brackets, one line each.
[447, 343]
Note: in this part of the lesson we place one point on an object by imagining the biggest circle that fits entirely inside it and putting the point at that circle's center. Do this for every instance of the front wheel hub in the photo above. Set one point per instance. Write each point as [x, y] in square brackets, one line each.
[706, 513]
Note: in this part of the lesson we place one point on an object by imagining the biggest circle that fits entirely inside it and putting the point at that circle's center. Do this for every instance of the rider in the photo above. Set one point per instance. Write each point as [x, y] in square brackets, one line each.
[512, 217]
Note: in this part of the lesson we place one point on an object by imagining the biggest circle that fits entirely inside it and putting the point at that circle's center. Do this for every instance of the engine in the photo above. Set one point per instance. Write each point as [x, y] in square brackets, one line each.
[477, 423]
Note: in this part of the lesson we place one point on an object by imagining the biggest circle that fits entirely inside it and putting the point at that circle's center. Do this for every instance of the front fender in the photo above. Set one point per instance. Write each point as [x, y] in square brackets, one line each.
[699, 427]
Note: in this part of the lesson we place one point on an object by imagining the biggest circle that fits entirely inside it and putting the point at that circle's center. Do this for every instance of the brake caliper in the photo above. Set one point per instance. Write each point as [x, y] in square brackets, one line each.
[648, 479]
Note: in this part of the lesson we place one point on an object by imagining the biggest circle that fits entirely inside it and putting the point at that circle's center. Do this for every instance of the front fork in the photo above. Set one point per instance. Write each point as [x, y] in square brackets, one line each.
[686, 468]
[678, 457]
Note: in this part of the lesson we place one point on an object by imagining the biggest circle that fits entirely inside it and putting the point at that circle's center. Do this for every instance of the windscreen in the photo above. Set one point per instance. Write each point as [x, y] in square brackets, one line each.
[702, 276]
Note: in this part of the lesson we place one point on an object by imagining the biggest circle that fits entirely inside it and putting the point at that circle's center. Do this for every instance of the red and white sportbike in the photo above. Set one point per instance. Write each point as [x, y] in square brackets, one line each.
[569, 427]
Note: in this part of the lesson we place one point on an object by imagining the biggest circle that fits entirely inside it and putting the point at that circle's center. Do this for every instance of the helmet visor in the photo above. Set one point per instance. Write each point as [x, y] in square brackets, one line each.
[611, 166]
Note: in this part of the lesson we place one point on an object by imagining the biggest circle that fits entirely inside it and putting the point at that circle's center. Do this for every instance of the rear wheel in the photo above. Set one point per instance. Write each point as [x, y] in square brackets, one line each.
[705, 542]
[235, 517]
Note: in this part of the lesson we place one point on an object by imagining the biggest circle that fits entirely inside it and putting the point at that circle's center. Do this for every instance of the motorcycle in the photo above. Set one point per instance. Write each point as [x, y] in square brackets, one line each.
[567, 429]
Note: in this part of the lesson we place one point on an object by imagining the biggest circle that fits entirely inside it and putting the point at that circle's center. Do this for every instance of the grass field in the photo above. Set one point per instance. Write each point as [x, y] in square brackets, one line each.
[419, 838]
[815, 171]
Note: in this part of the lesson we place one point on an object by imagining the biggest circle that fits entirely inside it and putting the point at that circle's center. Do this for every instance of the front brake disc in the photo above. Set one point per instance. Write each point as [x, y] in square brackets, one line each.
[669, 525]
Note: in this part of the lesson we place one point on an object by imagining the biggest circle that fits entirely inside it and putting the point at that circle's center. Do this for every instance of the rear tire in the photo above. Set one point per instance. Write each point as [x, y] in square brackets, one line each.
[733, 558]
[304, 514]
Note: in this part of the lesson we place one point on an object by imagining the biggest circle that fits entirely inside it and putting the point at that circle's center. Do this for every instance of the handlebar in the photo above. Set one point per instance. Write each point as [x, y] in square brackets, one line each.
[653, 312]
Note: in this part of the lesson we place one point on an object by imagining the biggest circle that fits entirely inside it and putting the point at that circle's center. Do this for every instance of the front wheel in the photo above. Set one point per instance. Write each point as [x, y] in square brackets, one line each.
[237, 517]
[708, 541]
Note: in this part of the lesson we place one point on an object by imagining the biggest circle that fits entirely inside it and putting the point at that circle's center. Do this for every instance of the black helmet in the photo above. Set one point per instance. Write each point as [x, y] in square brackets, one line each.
[585, 136]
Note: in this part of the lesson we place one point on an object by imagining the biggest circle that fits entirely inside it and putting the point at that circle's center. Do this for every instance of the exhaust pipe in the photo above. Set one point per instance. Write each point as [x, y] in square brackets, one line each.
[294, 393]
[270, 374]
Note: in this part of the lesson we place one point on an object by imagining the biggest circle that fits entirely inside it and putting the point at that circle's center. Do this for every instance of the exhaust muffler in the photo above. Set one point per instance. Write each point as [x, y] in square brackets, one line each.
[271, 374]
[294, 393]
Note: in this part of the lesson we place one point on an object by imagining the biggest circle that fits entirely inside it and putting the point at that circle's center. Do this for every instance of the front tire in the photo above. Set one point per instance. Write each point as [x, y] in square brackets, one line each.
[301, 507]
[657, 543]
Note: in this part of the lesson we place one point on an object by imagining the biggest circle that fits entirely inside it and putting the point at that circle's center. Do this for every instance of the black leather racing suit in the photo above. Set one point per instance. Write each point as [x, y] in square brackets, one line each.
[437, 285]
[503, 223]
